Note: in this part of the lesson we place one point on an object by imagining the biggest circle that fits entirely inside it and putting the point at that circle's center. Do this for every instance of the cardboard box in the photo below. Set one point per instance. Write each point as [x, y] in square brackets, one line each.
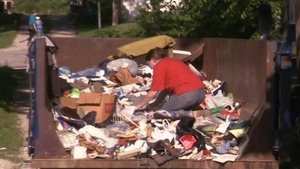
[68, 102]
[103, 104]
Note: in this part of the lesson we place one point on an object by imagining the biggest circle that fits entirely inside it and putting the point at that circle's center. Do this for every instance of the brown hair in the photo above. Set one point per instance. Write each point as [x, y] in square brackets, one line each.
[155, 53]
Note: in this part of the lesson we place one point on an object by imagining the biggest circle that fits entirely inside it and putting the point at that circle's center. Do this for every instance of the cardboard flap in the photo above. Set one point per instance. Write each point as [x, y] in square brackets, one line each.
[102, 104]
[68, 102]
[90, 98]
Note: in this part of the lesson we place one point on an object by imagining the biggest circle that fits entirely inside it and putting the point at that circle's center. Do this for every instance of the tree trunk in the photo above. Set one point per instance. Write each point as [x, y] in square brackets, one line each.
[99, 14]
[116, 9]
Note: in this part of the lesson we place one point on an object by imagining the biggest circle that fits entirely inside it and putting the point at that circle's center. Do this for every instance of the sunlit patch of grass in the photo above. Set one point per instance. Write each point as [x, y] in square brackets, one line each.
[10, 136]
[7, 36]
[121, 31]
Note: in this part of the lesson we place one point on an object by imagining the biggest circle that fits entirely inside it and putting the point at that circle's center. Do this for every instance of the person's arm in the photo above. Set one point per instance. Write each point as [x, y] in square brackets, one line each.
[150, 96]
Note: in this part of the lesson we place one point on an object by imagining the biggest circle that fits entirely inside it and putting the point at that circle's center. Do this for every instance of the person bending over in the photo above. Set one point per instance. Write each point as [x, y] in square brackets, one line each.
[187, 90]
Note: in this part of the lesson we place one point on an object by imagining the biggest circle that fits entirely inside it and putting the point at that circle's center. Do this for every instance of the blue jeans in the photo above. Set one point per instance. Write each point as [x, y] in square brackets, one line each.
[176, 105]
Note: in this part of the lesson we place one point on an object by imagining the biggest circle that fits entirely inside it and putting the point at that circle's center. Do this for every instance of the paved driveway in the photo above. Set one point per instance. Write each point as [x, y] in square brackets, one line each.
[15, 55]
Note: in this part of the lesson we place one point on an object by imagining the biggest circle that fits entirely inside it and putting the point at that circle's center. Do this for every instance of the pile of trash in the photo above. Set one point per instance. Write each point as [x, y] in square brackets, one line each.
[95, 118]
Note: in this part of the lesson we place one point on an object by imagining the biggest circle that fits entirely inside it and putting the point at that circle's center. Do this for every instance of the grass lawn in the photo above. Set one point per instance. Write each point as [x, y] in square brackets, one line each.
[9, 24]
[11, 138]
[120, 31]
[7, 35]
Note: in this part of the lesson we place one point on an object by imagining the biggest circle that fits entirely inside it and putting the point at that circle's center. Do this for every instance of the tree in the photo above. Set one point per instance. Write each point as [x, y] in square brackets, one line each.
[99, 14]
[97, 10]
[116, 9]
[204, 18]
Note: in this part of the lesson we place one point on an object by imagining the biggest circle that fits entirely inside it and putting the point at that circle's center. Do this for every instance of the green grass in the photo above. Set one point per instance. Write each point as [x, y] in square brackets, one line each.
[10, 134]
[7, 36]
[45, 7]
[9, 82]
[121, 31]
[9, 24]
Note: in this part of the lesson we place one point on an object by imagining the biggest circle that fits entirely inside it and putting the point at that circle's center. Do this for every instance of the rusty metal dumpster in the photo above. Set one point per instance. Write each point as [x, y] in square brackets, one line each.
[244, 64]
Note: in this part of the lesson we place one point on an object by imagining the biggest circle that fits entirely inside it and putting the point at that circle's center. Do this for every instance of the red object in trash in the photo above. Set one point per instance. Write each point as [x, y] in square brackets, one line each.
[187, 141]
[231, 114]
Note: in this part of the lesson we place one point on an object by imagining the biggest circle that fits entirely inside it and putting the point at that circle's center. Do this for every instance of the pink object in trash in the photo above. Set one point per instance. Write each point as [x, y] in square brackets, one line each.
[187, 141]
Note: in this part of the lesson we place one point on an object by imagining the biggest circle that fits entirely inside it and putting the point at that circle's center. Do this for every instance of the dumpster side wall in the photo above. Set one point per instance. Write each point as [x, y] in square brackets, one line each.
[242, 65]
[46, 142]
[79, 54]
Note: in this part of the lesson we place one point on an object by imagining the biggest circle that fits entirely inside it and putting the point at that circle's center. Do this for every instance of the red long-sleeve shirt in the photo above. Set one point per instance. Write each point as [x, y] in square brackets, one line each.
[173, 74]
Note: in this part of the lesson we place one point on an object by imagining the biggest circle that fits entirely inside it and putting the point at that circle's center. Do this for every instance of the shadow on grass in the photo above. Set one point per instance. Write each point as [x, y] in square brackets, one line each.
[10, 132]
[9, 22]
[293, 160]
[293, 141]
[10, 79]
[9, 25]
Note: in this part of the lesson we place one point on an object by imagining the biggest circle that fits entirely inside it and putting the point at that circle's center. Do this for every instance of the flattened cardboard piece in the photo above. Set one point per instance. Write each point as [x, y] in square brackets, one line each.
[90, 98]
[103, 104]
[68, 102]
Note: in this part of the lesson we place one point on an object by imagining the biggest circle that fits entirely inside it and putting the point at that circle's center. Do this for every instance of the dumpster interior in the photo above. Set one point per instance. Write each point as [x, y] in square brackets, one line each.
[236, 70]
